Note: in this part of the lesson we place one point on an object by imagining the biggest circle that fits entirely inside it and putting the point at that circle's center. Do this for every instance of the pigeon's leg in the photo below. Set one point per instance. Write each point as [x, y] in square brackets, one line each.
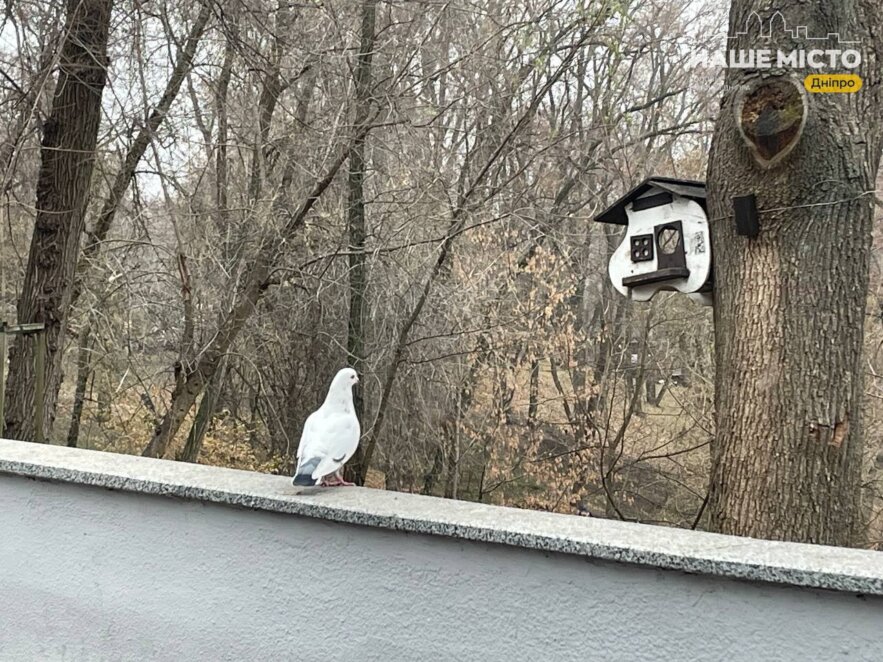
[341, 481]
[335, 480]
[332, 480]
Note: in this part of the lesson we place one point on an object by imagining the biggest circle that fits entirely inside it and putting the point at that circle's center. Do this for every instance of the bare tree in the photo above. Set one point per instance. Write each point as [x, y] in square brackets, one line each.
[790, 304]
[410, 187]
[99, 232]
[355, 209]
[67, 158]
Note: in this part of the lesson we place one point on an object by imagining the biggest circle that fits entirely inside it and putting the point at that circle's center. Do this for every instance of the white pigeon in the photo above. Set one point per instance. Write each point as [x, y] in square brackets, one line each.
[331, 435]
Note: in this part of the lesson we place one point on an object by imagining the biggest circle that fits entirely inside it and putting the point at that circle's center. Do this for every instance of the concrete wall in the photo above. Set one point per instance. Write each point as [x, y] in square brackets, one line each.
[88, 573]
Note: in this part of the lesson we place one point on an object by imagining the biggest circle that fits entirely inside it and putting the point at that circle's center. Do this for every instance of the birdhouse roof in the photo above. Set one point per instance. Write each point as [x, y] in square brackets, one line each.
[685, 188]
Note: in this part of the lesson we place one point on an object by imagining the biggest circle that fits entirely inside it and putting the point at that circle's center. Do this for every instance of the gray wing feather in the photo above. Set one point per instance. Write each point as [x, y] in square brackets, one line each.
[330, 438]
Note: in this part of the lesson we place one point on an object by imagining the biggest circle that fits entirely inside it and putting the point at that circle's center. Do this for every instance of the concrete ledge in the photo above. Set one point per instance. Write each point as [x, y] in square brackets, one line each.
[815, 566]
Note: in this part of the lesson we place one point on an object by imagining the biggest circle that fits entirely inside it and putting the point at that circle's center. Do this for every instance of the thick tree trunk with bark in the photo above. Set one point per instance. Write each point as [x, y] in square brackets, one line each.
[67, 158]
[355, 341]
[790, 303]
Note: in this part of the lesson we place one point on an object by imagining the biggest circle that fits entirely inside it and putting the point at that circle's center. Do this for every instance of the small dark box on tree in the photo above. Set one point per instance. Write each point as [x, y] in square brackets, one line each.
[747, 223]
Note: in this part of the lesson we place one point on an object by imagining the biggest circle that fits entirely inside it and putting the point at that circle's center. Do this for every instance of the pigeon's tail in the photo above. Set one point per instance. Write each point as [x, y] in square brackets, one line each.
[304, 475]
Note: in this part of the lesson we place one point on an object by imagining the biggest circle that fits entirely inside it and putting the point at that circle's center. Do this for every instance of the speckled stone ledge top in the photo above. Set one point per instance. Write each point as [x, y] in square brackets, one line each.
[849, 570]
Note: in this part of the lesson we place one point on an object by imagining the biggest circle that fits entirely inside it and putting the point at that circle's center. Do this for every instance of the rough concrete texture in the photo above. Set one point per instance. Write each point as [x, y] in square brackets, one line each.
[792, 564]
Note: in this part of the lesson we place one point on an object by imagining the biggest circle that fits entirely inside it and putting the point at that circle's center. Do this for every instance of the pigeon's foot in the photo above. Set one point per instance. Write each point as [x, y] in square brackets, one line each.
[340, 481]
[335, 481]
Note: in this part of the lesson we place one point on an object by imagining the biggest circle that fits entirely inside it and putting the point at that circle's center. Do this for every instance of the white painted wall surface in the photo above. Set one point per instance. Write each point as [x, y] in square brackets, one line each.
[93, 574]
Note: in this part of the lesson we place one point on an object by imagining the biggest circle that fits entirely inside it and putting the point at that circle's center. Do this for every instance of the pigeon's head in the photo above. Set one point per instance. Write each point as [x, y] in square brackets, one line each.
[346, 378]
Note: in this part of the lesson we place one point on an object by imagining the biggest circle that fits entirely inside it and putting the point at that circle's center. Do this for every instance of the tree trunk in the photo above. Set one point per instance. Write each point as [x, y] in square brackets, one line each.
[431, 476]
[193, 445]
[452, 459]
[790, 303]
[355, 343]
[221, 183]
[533, 400]
[67, 158]
[84, 369]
